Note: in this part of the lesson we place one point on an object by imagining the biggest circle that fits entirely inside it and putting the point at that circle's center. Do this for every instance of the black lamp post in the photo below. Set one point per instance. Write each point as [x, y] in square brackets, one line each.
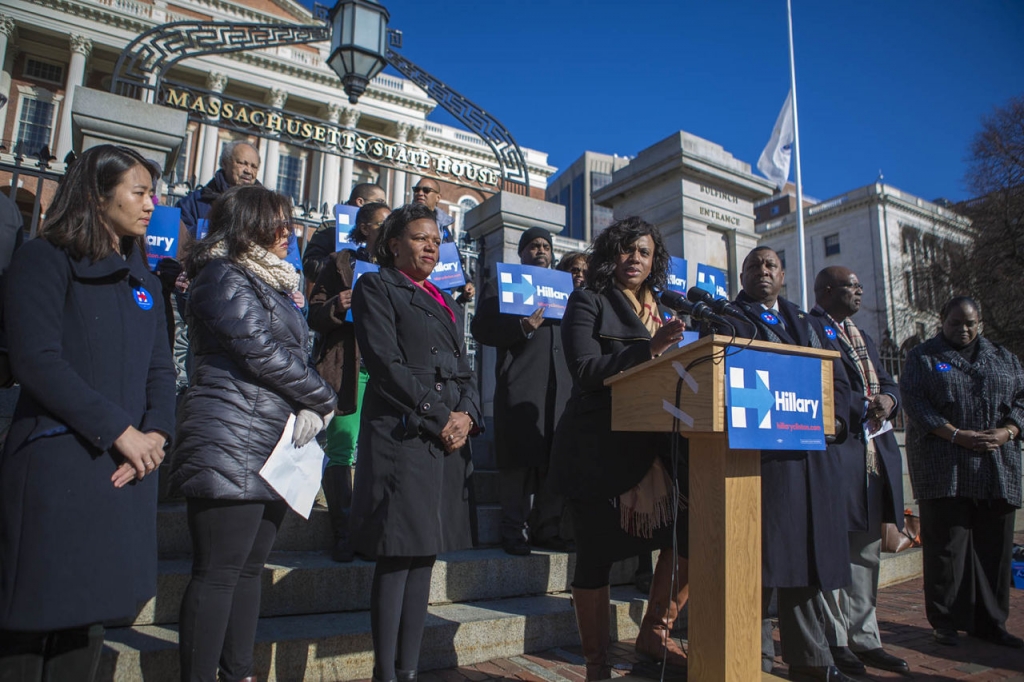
[358, 34]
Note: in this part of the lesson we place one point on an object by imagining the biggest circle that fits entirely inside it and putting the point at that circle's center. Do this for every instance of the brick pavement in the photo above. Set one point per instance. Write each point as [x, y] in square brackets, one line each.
[901, 618]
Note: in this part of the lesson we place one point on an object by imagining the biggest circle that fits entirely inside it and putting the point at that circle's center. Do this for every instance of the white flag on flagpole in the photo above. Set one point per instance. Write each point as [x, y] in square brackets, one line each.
[774, 161]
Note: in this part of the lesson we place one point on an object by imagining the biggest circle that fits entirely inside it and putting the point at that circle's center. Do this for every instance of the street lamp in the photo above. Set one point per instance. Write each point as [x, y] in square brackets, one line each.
[359, 29]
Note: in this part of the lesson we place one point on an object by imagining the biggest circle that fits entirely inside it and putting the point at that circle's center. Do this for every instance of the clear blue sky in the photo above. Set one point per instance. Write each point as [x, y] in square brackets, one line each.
[896, 85]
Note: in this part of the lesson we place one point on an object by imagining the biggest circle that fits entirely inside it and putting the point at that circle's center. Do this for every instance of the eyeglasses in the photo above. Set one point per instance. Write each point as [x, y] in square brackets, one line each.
[376, 224]
[423, 190]
[578, 271]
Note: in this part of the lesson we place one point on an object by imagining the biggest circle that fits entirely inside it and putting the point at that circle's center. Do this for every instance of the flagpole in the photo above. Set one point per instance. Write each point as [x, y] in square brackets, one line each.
[796, 155]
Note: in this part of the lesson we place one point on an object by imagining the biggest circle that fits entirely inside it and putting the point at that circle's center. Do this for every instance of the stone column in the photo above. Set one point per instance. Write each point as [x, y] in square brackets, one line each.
[349, 119]
[272, 161]
[330, 179]
[80, 49]
[399, 188]
[416, 138]
[7, 32]
[210, 148]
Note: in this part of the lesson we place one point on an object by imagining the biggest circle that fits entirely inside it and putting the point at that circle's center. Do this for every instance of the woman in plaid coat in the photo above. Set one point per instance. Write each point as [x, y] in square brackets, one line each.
[964, 397]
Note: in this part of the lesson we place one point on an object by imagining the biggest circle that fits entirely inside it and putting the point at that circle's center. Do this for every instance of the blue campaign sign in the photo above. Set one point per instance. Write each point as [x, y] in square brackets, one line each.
[774, 401]
[162, 234]
[447, 272]
[293, 256]
[202, 228]
[344, 221]
[677, 274]
[524, 288]
[713, 280]
[358, 270]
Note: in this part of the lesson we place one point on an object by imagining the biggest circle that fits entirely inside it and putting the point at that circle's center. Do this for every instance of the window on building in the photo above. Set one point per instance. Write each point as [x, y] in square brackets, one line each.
[181, 165]
[577, 221]
[775, 210]
[39, 70]
[35, 125]
[832, 245]
[290, 172]
[782, 258]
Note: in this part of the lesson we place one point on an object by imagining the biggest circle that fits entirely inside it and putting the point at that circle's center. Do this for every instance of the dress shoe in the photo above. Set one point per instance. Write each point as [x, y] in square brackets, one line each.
[878, 658]
[1003, 638]
[517, 547]
[945, 636]
[817, 673]
[406, 675]
[846, 661]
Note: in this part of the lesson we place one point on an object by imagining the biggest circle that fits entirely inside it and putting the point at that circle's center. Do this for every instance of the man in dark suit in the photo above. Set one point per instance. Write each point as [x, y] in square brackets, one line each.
[531, 389]
[803, 533]
[872, 475]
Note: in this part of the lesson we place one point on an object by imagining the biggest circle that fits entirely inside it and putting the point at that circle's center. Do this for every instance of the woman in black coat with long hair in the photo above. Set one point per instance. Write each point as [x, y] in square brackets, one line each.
[620, 485]
[88, 343]
[411, 498]
[250, 372]
[964, 399]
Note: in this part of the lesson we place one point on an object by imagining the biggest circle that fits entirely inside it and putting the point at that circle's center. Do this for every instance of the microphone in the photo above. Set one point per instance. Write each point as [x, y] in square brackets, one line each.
[719, 305]
[698, 311]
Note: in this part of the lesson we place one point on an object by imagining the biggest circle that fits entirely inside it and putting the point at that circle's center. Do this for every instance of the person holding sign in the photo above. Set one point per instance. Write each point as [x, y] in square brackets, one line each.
[324, 241]
[964, 399]
[88, 344]
[250, 375]
[411, 497]
[625, 490]
[338, 362]
[804, 546]
[532, 387]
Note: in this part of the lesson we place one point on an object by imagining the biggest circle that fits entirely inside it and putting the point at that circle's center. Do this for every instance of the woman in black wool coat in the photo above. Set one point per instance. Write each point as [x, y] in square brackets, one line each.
[620, 485]
[250, 372]
[411, 498]
[88, 343]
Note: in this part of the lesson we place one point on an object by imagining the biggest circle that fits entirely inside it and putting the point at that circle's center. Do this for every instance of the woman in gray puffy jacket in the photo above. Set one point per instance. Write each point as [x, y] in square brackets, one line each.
[250, 373]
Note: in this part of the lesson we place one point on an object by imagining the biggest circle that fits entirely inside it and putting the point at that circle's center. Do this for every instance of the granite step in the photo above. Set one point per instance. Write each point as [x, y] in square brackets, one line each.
[298, 583]
[337, 646]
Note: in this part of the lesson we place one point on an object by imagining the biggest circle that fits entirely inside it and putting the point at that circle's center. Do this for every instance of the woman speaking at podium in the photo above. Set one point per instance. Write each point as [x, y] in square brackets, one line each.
[620, 485]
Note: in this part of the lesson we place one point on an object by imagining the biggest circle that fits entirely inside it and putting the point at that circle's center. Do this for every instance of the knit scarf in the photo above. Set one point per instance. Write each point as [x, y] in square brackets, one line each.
[856, 349]
[646, 506]
[280, 275]
[645, 307]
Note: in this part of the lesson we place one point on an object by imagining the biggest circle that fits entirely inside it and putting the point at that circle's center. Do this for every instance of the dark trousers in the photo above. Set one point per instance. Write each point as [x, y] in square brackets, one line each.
[221, 606]
[968, 546]
[527, 496]
[398, 612]
[64, 656]
[801, 627]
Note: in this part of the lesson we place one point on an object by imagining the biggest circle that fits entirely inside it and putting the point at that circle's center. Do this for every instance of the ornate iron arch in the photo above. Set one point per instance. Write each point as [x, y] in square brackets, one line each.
[145, 61]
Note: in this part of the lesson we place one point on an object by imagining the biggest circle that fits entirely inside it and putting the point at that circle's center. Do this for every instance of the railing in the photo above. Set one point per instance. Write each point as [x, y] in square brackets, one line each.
[34, 169]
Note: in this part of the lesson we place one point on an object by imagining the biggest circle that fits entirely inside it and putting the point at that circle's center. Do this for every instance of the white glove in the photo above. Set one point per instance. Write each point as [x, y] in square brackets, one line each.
[307, 424]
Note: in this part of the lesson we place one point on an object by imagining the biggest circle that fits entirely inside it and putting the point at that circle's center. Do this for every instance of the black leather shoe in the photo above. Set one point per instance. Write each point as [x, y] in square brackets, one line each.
[817, 673]
[878, 658]
[406, 675]
[517, 547]
[555, 544]
[846, 661]
[1003, 638]
[945, 636]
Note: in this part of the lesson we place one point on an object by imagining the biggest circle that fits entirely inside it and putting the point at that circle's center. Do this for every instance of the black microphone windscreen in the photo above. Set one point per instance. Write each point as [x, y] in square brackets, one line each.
[698, 295]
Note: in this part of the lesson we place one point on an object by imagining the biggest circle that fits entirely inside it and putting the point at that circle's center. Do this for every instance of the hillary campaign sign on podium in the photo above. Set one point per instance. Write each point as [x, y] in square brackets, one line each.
[162, 234]
[713, 280]
[524, 288]
[774, 401]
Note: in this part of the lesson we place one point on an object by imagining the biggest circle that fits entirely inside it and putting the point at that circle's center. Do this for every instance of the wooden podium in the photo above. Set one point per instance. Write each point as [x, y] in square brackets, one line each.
[725, 495]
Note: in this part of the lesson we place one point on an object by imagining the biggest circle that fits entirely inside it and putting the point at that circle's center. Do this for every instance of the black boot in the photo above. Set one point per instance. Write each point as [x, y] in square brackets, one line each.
[73, 655]
[406, 675]
[22, 655]
[337, 484]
